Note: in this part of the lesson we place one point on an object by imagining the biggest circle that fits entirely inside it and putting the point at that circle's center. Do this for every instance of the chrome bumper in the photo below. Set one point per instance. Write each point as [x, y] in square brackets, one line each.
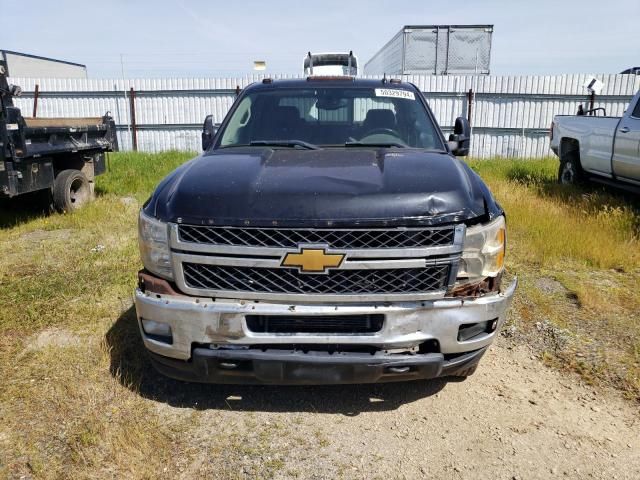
[407, 324]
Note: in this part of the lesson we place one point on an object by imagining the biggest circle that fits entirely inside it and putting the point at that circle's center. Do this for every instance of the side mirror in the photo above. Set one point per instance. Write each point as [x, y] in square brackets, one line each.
[460, 139]
[208, 132]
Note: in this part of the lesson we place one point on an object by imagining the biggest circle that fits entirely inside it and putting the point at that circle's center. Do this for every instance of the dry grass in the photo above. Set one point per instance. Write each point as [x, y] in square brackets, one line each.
[70, 361]
[587, 240]
[550, 223]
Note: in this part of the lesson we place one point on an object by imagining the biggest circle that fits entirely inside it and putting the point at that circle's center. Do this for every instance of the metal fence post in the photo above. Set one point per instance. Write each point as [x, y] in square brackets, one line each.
[36, 93]
[132, 108]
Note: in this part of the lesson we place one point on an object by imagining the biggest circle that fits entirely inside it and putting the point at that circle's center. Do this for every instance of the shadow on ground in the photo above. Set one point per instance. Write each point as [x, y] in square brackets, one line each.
[21, 209]
[129, 363]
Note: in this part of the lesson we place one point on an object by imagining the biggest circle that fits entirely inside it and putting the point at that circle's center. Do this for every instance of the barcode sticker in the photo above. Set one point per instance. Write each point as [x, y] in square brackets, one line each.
[394, 93]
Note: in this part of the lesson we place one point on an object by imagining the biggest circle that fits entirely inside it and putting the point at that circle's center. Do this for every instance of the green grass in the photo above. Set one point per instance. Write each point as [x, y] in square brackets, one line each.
[66, 315]
[136, 174]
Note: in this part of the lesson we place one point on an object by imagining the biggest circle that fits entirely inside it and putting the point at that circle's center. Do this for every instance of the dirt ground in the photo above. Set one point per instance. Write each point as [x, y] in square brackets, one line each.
[514, 419]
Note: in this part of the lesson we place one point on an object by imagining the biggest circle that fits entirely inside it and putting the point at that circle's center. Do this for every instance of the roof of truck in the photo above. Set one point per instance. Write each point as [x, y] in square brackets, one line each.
[328, 81]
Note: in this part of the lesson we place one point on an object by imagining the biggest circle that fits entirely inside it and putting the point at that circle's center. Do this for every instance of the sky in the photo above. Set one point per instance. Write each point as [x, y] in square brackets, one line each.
[198, 38]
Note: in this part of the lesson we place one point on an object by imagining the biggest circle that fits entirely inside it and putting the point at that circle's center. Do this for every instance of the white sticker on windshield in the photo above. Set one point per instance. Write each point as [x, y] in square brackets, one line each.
[393, 93]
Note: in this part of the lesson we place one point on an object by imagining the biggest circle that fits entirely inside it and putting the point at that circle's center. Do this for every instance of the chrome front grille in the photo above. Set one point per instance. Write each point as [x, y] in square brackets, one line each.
[394, 264]
[333, 238]
[336, 282]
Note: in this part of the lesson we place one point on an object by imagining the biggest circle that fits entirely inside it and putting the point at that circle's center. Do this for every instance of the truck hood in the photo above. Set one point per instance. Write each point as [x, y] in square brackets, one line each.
[352, 186]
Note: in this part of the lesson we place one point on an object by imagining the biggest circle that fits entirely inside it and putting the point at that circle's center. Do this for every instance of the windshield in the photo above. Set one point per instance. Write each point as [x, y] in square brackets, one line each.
[335, 116]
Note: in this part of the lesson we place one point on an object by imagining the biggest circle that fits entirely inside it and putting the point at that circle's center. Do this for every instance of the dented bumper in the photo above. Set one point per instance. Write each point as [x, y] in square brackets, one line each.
[207, 333]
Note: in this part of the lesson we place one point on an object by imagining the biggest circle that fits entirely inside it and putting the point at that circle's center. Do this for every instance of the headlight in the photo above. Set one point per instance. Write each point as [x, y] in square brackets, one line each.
[484, 249]
[153, 238]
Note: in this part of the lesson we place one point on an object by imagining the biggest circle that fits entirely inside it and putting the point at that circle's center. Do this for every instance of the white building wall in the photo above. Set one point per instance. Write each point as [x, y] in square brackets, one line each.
[510, 115]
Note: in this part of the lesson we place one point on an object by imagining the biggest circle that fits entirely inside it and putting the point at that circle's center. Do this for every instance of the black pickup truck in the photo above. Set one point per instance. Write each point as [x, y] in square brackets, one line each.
[328, 234]
[59, 157]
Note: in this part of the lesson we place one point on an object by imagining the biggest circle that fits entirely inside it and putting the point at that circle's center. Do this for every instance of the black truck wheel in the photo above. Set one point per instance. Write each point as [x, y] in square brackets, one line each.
[570, 171]
[71, 190]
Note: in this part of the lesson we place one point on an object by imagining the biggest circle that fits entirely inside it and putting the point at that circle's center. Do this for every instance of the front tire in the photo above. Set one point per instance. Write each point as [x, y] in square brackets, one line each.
[71, 190]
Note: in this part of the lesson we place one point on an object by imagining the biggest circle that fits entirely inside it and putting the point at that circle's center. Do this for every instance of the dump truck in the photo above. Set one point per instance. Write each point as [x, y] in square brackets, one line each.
[59, 157]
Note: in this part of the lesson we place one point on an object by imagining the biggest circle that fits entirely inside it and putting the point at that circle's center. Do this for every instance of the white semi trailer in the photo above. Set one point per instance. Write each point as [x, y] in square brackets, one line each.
[434, 50]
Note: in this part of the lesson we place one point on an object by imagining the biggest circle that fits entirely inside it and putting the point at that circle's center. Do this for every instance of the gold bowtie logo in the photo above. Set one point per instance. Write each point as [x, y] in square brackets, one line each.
[313, 260]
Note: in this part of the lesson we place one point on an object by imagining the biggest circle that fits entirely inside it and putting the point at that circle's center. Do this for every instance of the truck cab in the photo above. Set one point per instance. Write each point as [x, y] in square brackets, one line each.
[327, 234]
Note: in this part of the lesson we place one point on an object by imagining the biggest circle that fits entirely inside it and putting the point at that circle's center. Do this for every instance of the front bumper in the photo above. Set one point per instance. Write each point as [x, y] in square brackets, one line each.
[289, 367]
[201, 326]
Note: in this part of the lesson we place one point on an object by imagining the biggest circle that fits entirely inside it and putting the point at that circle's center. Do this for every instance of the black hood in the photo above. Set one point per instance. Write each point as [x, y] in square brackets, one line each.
[349, 186]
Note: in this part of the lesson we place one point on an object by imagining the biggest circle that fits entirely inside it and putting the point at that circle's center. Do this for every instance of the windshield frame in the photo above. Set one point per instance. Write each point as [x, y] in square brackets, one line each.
[291, 86]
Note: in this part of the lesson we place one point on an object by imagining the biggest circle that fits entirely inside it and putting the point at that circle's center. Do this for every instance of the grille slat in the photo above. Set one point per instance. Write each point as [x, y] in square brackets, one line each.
[342, 239]
[336, 282]
[333, 324]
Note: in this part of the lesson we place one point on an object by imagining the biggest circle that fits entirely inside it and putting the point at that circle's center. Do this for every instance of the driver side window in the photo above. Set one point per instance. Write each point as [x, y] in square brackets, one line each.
[362, 106]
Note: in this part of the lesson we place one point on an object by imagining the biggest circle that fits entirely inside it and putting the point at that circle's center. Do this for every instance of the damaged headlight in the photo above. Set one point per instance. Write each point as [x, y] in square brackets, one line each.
[484, 250]
[153, 238]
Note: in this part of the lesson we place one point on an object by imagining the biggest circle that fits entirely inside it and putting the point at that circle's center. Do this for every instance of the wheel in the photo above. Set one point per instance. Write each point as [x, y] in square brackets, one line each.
[71, 190]
[570, 171]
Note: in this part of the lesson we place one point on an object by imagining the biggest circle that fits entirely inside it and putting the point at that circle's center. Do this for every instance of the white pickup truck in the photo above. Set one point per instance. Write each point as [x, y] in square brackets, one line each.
[599, 148]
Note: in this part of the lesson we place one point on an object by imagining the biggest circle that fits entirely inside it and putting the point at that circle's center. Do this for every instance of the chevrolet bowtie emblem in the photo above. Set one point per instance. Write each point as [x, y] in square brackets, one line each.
[312, 260]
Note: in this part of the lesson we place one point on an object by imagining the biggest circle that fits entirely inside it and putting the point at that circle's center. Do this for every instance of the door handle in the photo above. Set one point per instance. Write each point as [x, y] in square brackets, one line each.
[624, 130]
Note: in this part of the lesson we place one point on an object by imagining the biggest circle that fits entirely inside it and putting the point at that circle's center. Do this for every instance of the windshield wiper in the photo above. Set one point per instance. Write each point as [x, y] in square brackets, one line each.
[285, 143]
[380, 144]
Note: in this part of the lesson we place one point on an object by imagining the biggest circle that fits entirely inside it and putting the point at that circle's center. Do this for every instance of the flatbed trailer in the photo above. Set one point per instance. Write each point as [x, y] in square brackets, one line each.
[57, 156]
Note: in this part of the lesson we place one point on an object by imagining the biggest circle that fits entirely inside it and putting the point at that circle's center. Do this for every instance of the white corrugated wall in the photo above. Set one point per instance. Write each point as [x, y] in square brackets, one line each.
[510, 115]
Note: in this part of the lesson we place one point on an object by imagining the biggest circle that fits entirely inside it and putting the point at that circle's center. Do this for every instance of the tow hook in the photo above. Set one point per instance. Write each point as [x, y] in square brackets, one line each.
[398, 369]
